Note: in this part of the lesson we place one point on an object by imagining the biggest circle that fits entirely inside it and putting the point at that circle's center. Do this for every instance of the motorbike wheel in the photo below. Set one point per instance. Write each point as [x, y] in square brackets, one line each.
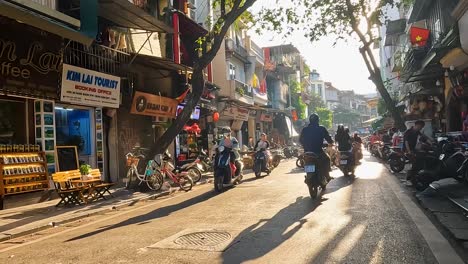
[313, 191]
[219, 181]
[258, 170]
[419, 185]
[195, 174]
[186, 183]
[300, 163]
[396, 165]
[155, 181]
[276, 161]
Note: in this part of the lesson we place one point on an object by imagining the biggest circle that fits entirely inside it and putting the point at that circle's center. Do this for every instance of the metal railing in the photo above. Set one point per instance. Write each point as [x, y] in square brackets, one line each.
[231, 46]
[257, 50]
[52, 4]
[96, 57]
[243, 89]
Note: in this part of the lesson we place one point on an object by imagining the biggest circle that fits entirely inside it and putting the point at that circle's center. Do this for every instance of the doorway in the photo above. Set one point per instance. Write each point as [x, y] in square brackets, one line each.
[75, 126]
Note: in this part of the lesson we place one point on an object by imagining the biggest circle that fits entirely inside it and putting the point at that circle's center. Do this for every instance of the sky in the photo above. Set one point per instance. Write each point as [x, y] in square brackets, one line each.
[341, 65]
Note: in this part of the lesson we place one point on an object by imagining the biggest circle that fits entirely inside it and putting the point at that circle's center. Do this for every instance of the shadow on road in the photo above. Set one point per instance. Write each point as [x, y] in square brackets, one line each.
[158, 213]
[273, 232]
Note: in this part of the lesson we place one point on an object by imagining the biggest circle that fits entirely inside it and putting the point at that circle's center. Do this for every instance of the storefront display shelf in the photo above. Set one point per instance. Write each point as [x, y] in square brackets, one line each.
[15, 183]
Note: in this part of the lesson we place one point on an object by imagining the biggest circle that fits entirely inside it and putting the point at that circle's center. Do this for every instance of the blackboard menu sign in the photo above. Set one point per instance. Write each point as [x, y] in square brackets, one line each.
[67, 158]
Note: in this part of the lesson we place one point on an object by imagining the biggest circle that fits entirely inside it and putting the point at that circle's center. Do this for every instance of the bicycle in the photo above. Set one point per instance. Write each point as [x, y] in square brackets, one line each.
[152, 176]
[167, 169]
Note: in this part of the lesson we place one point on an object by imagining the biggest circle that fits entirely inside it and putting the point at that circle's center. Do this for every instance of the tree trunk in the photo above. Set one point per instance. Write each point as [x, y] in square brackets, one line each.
[198, 84]
[377, 79]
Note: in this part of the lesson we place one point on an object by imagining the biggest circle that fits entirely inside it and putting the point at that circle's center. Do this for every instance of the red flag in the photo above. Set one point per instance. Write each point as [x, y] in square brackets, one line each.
[419, 36]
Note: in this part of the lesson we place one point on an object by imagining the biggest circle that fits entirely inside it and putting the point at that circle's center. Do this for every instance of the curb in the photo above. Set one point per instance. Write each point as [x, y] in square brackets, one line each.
[5, 236]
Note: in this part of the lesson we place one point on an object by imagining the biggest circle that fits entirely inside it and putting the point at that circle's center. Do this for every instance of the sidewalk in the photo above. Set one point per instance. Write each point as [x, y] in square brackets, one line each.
[28, 219]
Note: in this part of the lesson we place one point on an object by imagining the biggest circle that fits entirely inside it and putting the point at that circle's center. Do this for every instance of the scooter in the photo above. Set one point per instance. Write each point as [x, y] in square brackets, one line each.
[314, 179]
[347, 165]
[261, 163]
[397, 159]
[450, 163]
[226, 173]
[200, 165]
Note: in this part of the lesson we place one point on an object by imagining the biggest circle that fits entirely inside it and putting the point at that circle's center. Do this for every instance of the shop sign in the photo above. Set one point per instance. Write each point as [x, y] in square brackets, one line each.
[236, 113]
[86, 87]
[29, 62]
[266, 118]
[153, 105]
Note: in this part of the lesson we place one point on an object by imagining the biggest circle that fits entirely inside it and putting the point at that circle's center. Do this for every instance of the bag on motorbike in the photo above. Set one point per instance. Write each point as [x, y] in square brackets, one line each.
[224, 159]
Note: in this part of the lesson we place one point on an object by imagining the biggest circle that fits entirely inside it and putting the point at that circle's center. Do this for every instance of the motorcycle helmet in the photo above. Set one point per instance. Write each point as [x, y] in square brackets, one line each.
[314, 119]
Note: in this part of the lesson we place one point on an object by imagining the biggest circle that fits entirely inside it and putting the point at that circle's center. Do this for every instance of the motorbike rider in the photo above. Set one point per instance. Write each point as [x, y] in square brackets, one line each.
[410, 141]
[343, 139]
[232, 143]
[263, 143]
[357, 148]
[311, 138]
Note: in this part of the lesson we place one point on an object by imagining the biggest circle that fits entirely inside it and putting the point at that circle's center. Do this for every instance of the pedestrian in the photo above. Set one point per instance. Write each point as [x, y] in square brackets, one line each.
[410, 140]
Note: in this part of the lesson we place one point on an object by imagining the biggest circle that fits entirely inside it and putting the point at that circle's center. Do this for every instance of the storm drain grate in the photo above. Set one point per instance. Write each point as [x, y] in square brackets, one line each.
[203, 238]
[199, 239]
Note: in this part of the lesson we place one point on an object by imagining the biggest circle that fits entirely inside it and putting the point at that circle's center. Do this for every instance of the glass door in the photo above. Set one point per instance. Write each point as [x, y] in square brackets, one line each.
[75, 126]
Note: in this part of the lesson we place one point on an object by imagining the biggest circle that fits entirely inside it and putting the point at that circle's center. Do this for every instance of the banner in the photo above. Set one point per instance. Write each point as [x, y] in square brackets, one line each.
[153, 105]
[236, 113]
[87, 87]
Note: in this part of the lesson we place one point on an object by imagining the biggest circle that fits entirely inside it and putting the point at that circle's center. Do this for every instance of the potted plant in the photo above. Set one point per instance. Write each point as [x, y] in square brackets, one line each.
[84, 170]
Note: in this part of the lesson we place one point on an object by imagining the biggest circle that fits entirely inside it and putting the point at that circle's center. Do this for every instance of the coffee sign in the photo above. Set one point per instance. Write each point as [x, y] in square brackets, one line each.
[29, 62]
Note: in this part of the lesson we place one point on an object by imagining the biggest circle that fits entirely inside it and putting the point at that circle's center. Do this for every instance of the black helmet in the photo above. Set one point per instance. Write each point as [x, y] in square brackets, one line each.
[314, 119]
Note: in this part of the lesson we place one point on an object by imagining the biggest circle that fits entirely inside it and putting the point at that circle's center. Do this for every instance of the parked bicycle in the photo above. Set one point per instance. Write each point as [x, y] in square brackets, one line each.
[151, 176]
[167, 169]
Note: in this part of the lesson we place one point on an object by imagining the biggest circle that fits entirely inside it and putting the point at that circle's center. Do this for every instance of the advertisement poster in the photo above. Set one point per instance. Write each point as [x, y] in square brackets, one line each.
[86, 87]
[153, 105]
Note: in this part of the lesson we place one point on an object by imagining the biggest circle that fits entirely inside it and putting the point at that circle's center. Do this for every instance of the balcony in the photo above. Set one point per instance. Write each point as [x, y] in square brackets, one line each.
[257, 51]
[242, 92]
[236, 50]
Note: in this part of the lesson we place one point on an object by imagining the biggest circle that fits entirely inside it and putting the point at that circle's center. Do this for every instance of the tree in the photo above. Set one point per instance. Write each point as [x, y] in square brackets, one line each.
[319, 18]
[381, 107]
[345, 116]
[326, 117]
[230, 11]
[316, 102]
[296, 99]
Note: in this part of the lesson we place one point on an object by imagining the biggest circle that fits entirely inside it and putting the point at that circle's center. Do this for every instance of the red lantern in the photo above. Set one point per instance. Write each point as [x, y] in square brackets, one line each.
[215, 117]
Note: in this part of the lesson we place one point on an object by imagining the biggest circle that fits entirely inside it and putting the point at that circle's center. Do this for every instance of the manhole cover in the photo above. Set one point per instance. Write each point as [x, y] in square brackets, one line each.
[203, 238]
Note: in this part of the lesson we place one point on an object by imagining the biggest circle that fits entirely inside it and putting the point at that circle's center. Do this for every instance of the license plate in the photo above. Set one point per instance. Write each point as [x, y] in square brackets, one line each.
[343, 162]
[309, 168]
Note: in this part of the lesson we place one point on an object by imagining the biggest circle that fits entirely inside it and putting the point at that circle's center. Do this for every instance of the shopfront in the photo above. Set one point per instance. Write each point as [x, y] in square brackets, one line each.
[29, 75]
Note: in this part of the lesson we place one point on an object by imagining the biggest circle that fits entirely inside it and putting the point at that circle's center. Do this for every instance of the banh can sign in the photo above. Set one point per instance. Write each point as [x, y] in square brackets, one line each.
[153, 105]
[87, 87]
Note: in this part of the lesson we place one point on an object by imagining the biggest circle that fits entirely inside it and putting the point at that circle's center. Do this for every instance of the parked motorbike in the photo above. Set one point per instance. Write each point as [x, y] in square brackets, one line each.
[291, 151]
[397, 159]
[226, 173]
[277, 155]
[261, 163]
[314, 179]
[447, 163]
[202, 164]
[347, 165]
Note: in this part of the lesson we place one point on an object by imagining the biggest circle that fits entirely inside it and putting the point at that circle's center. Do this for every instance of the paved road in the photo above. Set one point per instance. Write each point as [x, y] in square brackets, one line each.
[271, 220]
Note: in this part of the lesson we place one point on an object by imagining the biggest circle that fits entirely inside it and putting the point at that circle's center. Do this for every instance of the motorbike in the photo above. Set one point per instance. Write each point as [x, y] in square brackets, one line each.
[447, 163]
[314, 179]
[226, 173]
[300, 161]
[200, 165]
[397, 159]
[291, 151]
[347, 165]
[332, 152]
[261, 164]
[277, 155]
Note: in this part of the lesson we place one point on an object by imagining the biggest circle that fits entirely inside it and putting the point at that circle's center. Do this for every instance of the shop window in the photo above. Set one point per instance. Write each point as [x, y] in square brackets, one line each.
[12, 122]
[74, 129]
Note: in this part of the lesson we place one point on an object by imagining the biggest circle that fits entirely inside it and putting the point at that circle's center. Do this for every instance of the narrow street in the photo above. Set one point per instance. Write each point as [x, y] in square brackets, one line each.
[370, 219]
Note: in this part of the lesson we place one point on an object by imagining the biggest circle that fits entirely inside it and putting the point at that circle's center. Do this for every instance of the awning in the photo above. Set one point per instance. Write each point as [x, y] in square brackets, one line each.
[292, 131]
[189, 27]
[128, 15]
[161, 63]
[42, 22]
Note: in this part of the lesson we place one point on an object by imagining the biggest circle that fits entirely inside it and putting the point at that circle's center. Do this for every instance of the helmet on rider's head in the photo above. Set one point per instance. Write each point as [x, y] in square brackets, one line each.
[314, 119]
